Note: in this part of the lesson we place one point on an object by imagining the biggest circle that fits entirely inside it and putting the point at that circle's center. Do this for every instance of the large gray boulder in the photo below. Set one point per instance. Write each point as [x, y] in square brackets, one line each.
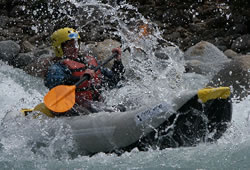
[236, 75]
[205, 58]
[25, 59]
[38, 63]
[101, 50]
[8, 50]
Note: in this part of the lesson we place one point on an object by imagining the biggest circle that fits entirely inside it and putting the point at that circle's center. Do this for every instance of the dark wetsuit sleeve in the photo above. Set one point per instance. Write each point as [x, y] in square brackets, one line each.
[59, 74]
[113, 76]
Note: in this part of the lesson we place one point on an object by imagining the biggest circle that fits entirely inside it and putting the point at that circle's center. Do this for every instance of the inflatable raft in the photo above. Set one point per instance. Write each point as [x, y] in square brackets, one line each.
[185, 120]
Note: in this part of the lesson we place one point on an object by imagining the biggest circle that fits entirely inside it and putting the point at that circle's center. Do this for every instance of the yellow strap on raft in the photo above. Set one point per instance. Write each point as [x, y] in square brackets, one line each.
[213, 93]
[41, 108]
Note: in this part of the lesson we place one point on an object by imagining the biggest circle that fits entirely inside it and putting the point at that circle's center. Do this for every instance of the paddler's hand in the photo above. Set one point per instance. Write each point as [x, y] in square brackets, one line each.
[118, 51]
[90, 73]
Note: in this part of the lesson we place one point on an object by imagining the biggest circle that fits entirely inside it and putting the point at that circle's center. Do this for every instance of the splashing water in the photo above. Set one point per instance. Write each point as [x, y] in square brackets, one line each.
[154, 72]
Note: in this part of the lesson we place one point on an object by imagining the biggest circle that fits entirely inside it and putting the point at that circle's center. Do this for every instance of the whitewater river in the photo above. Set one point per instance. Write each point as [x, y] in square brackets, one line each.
[20, 149]
[27, 143]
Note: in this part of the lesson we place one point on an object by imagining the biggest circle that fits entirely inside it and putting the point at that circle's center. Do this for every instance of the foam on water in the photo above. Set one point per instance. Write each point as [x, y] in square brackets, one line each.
[29, 144]
[44, 144]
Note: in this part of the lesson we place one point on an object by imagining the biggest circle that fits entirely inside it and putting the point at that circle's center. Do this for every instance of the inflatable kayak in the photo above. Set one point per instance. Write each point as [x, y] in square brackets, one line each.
[185, 120]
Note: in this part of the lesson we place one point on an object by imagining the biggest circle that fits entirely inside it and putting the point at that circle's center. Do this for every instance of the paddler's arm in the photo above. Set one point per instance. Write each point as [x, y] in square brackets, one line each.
[118, 68]
[58, 74]
[113, 76]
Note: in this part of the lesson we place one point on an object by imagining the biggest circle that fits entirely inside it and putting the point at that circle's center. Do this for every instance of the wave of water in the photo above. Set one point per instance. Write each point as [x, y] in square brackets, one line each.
[43, 144]
[20, 149]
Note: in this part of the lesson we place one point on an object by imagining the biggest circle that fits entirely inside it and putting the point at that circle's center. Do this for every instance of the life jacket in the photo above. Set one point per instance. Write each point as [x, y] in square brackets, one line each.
[88, 89]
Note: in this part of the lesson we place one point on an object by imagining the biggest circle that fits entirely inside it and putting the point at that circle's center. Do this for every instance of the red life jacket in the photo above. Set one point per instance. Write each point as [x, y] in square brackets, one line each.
[86, 90]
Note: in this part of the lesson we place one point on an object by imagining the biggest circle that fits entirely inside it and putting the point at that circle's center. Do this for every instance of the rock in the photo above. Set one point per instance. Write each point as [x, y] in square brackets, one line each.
[4, 20]
[40, 67]
[23, 59]
[43, 52]
[218, 21]
[35, 38]
[222, 47]
[242, 43]
[7, 34]
[2, 38]
[18, 10]
[190, 41]
[31, 58]
[87, 49]
[220, 43]
[4, 12]
[193, 66]
[173, 36]
[235, 74]
[198, 27]
[230, 53]
[3, 2]
[237, 29]
[27, 46]
[103, 50]
[36, 62]
[8, 50]
[210, 57]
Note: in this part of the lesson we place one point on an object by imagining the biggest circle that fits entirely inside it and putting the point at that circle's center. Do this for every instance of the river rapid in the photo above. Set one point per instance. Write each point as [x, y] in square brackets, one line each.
[27, 143]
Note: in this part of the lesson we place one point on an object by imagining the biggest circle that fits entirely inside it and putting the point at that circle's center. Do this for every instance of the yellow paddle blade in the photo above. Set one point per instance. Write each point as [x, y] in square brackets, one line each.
[60, 98]
[43, 109]
[40, 108]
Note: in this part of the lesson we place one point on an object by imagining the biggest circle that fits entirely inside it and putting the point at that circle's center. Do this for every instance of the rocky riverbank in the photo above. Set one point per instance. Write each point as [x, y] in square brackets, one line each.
[225, 24]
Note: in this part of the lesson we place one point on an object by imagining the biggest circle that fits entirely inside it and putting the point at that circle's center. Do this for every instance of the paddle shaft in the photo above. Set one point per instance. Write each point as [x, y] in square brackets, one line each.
[85, 77]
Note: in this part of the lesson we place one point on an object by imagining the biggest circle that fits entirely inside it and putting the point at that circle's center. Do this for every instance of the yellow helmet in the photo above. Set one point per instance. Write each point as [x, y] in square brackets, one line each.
[60, 36]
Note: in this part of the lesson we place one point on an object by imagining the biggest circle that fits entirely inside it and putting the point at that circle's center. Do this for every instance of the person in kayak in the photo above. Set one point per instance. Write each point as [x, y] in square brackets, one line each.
[69, 67]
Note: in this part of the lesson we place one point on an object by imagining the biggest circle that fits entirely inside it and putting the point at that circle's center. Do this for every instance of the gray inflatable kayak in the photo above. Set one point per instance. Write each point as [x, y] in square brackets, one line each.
[161, 124]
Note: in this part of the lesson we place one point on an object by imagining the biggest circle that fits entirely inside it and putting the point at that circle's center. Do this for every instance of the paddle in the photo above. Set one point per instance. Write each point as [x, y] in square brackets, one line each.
[62, 98]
